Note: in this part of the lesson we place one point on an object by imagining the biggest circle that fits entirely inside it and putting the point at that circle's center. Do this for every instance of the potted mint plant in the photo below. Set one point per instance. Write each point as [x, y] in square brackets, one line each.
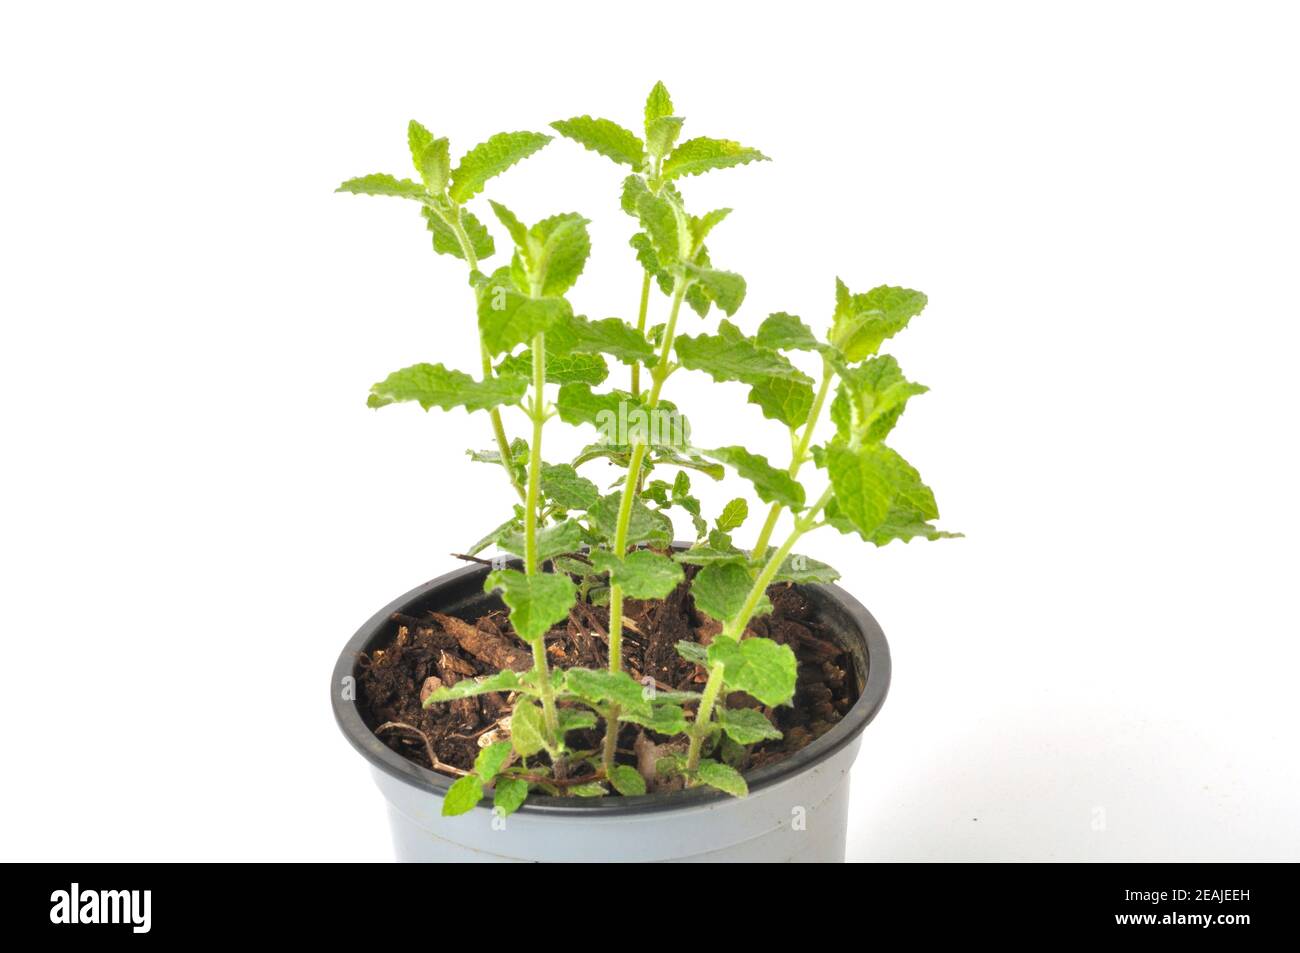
[597, 690]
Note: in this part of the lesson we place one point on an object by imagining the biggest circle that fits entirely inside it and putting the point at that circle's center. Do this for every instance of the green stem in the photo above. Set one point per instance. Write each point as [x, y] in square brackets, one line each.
[538, 414]
[800, 457]
[640, 326]
[498, 428]
[701, 726]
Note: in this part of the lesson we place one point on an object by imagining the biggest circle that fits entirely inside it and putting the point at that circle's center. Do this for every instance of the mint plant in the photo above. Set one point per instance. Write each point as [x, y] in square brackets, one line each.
[577, 545]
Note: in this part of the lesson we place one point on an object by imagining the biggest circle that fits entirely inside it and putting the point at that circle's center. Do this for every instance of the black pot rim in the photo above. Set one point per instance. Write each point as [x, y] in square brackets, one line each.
[379, 755]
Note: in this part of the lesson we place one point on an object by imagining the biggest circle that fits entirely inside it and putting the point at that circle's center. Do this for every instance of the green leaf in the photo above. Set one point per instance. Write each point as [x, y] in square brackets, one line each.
[865, 321]
[561, 367]
[578, 404]
[786, 332]
[644, 526]
[700, 227]
[663, 719]
[432, 385]
[707, 555]
[559, 250]
[721, 776]
[462, 795]
[870, 480]
[491, 158]
[731, 356]
[607, 336]
[720, 589]
[760, 667]
[508, 318]
[783, 399]
[381, 183]
[527, 729]
[649, 261]
[590, 789]
[871, 398]
[658, 104]
[693, 652]
[430, 157]
[642, 574]
[724, 288]
[509, 795]
[627, 780]
[661, 133]
[536, 602]
[563, 537]
[797, 568]
[747, 726]
[517, 230]
[490, 760]
[605, 137]
[733, 515]
[771, 485]
[562, 485]
[700, 155]
[504, 681]
[599, 686]
[573, 719]
[666, 224]
[445, 241]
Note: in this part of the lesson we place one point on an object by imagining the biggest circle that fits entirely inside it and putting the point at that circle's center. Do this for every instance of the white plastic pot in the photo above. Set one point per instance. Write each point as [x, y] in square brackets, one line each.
[797, 809]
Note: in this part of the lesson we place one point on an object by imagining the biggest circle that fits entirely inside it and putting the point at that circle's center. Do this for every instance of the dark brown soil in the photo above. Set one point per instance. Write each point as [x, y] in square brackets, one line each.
[440, 649]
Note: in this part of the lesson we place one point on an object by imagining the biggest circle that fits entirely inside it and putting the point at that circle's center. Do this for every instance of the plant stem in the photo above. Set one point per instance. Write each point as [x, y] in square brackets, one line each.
[702, 716]
[538, 414]
[798, 459]
[630, 483]
[640, 326]
[498, 428]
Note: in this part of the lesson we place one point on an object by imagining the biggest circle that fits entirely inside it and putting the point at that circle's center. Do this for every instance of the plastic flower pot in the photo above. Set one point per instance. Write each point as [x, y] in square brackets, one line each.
[797, 809]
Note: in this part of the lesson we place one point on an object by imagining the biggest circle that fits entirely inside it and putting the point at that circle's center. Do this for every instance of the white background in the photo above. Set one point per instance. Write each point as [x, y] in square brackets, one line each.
[1100, 199]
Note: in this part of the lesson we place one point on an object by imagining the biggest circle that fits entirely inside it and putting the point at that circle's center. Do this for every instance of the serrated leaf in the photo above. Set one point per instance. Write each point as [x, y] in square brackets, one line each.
[536, 602]
[864, 321]
[509, 795]
[661, 133]
[508, 318]
[380, 183]
[783, 399]
[720, 590]
[663, 719]
[492, 536]
[644, 526]
[658, 104]
[605, 137]
[700, 227]
[503, 681]
[491, 158]
[733, 515]
[491, 759]
[561, 484]
[516, 229]
[786, 332]
[527, 729]
[600, 686]
[797, 568]
[641, 574]
[771, 485]
[607, 336]
[731, 356]
[707, 555]
[702, 154]
[578, 404]
[432, 385]
[693, 652]
[871, 398]
[445, 241]
[573, 719]
[561, 367]
[649, 261]
[561, 247]
[721, 776]
[666, 224]
[563, 537]
[590, 789]
[760, 667]
[462, 796]
[627, 780]
[747, 726]
[430, 157]
[725, 288]
[870, 480]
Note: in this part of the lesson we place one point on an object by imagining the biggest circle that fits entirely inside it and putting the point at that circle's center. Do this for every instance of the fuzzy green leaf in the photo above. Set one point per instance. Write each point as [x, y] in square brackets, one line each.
[627, 780]
[578, 404]
[747, 726]
[786, 332]
[491, 158]
[693, 652]
[509, 795]
[871, 398]
[607, 336]
[430, 157]
[658, 104]
[760, 667]
[380, 183]
[871, 482]
[462, 796]
[664, 719]
[731, 356]
[641, 574]
[590, 789]
[605, 137]
[720, 589]
[432, 385]
[573, 719]
[562, 367]
[661, 134]
[649, 261]
[503, 681]
[490, 760]
[733, 515]
[527, 729]
[771, 485]
[562, 485]
[508, 318]
[445, 241]
[563, 537]
[725, 288]
[644, 526]
[781, 398]
[599, 686]
[706, 555]
[536, 602]
[702, 154]
[797, 568]
[667, 225]
[721, 776]
[864, 321]
[561, 246]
